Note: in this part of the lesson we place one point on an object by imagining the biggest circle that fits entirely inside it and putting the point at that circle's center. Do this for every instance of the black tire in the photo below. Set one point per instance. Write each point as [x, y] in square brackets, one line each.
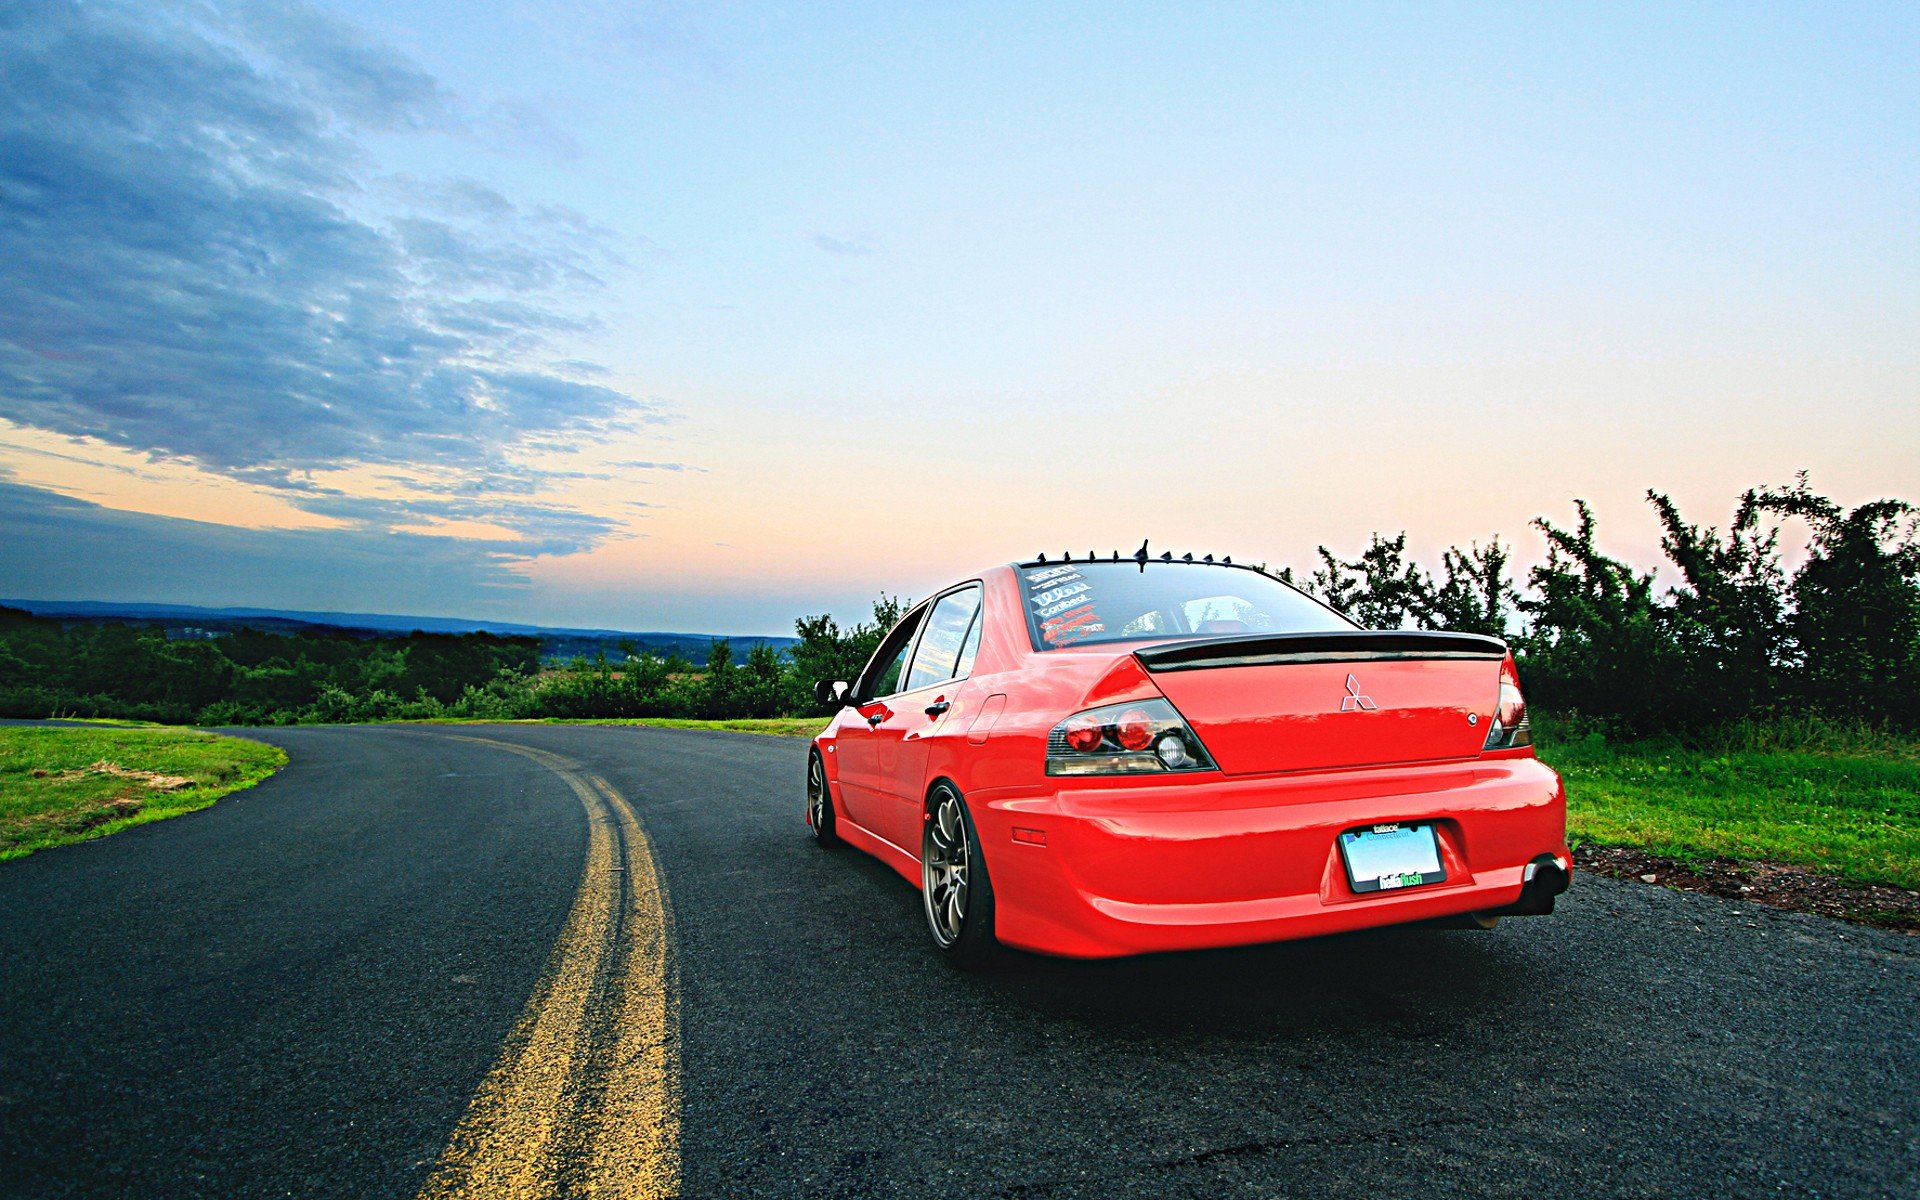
[820, 816]
[955, 892]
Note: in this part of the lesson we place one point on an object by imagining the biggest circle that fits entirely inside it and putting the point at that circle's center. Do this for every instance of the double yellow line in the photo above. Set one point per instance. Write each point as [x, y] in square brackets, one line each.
[585, 1099]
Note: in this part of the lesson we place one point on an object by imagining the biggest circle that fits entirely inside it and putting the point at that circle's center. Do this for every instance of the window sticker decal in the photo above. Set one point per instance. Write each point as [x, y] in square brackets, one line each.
[1063, 605]
[1070, 603]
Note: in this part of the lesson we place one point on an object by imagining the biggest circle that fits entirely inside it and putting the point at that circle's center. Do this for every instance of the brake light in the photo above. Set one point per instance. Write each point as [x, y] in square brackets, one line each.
[1084, 735]
[1510, 727]
[1134, 730]
[1125, 739]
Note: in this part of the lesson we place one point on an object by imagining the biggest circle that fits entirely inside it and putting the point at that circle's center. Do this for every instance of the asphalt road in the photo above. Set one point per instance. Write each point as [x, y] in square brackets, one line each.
[302, 990]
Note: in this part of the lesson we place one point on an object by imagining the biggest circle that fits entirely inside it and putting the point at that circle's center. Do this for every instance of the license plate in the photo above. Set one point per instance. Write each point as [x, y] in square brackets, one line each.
[1383, 858]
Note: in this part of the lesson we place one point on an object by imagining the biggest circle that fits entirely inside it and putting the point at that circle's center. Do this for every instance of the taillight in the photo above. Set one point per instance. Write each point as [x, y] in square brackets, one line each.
[1134, 729]
[1510, 727]
[1083, 735]
[1142, 738]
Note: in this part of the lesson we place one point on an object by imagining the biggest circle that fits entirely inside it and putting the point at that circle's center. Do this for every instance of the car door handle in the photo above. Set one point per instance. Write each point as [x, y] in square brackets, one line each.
[876, 718]
[937, 707]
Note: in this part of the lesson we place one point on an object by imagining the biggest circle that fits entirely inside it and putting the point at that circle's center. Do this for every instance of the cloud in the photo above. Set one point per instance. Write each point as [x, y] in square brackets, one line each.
[634, 464]
[200, 262]
[845, 247]
[339, 67]
[62, 548]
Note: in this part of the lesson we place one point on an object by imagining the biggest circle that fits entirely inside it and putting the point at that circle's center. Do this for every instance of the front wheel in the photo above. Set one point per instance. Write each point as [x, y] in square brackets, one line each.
[954, 888]
[820, 803]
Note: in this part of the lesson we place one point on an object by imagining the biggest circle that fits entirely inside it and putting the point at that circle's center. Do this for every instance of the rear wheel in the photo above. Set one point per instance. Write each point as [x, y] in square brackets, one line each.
[820, 803]
[954, 888]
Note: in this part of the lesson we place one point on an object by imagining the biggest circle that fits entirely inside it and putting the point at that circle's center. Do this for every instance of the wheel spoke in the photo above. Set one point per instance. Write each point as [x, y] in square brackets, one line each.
[946, 853]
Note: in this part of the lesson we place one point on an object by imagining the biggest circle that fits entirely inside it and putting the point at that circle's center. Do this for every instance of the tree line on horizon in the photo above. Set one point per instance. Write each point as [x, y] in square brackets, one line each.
[1740, 637]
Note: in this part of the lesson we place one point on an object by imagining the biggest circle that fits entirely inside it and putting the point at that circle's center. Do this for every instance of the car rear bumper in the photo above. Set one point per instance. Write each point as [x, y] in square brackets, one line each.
[1092, 869]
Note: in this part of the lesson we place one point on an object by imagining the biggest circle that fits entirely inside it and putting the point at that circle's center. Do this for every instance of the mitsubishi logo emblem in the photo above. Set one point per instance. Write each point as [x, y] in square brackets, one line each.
[1355, 700]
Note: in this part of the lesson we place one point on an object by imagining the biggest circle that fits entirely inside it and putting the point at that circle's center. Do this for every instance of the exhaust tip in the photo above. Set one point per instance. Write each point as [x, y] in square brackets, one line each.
[1547, 876]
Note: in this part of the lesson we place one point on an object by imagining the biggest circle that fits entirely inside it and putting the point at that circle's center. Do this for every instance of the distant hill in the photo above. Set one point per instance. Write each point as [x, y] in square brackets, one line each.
[189, 620]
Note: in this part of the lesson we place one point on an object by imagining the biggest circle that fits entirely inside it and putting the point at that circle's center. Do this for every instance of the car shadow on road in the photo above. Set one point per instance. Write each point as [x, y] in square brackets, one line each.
[1412, 978]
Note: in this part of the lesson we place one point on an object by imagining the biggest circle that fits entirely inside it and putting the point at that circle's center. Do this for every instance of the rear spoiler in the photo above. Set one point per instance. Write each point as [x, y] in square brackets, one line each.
[1362, 645]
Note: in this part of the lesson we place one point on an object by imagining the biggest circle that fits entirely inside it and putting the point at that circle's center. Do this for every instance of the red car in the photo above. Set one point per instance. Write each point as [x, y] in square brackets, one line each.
[1096, 757]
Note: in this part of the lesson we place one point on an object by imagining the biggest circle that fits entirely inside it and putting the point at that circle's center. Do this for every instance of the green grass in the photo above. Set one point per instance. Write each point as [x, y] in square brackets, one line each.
[113, 722]
[61, 785]
[1843, 802]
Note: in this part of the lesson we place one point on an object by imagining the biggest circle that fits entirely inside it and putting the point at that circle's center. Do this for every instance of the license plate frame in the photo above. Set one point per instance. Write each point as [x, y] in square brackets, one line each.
[1395, 855]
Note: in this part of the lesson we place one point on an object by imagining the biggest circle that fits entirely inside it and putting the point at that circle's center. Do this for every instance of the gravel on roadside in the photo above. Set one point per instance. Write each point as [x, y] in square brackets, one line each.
[1793, 888]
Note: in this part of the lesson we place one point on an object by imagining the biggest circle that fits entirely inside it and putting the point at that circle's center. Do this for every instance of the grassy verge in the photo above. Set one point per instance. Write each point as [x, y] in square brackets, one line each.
[61, 785]
[111, 722]
[1844, 803]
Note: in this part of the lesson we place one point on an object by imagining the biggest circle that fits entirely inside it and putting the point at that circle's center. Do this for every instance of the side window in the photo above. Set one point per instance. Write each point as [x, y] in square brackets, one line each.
[938, 657]
[970, 647]
[882, 676]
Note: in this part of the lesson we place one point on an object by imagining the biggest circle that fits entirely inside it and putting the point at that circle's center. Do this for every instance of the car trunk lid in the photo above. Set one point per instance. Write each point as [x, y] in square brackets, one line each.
[1321, 701]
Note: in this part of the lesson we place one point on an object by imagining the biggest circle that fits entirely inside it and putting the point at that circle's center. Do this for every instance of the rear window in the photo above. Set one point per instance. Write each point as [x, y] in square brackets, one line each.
[1075, 604]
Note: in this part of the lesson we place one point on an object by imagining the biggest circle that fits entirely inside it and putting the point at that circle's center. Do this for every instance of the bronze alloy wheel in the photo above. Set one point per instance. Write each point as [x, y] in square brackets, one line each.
[955, 890]
[820, 803]
[946, 856]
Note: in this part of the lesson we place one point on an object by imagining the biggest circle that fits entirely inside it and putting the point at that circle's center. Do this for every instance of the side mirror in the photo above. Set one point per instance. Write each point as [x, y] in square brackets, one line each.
[832, 691]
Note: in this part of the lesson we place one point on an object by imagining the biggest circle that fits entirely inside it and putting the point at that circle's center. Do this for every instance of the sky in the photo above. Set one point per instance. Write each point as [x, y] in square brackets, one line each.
[702, 317]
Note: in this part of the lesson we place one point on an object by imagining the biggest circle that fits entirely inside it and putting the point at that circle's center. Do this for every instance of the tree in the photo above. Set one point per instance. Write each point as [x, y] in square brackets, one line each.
[827, 652]
[1381, 589]
[1476, 596]
[1727, 619]
[1596, 642]
[1856, 603]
